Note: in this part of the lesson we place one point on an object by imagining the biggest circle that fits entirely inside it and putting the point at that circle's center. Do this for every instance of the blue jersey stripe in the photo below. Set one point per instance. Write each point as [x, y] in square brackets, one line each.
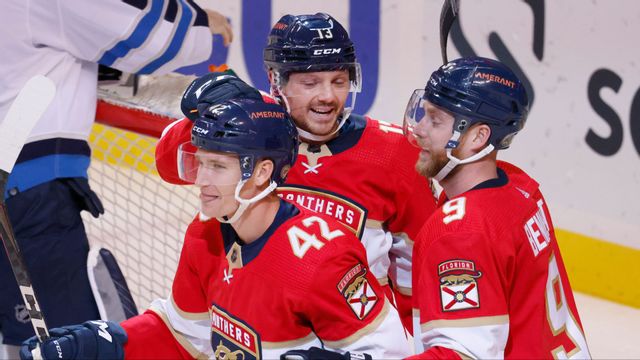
[176, 42]
[137, 37]
[38, 171]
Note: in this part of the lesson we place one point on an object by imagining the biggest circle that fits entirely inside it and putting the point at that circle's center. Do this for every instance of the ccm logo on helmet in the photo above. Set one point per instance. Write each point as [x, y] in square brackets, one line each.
[496, 78]
[200, 130]
[326, 51]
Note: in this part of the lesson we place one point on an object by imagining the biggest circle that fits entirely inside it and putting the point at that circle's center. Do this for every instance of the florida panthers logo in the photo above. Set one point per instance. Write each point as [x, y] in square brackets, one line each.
[223, 353]
[357, 291]
[232, 338]
[458, 285]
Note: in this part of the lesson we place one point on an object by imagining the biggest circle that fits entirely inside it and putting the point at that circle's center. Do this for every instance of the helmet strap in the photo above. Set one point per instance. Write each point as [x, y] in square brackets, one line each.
[244, 203]
[454, 161]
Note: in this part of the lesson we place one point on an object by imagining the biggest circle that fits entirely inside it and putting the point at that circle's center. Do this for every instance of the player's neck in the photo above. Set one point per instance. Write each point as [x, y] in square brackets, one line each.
[257, 219]
[466, 176]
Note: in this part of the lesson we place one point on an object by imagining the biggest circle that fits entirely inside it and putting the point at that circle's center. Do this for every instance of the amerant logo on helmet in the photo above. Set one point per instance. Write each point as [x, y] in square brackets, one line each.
[496, 78]
[266, 114]
[280, 26]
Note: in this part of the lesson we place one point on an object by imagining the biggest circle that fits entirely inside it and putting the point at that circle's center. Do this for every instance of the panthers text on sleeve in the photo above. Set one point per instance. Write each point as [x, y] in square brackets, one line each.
[489, 279]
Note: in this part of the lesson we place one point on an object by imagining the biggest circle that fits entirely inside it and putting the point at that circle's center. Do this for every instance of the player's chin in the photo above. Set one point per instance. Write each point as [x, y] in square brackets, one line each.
[322, 127]
[211, 206]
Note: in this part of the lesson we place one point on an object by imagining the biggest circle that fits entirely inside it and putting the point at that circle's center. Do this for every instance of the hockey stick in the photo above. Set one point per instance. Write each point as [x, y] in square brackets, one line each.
[448, 15]
[26, 110]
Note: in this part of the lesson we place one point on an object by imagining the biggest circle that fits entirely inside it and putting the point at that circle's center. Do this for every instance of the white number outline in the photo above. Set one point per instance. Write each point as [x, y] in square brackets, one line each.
[301, 241]
[454, 210]
[561, 319]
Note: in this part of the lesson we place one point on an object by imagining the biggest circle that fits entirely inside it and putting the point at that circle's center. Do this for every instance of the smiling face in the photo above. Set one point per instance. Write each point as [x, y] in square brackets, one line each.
[218, 175]
[432, 132]
[316, 99]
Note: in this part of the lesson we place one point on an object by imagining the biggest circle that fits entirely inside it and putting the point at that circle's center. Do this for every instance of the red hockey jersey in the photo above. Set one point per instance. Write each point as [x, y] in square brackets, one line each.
[489, 278]
[364, 178]
[304, 283]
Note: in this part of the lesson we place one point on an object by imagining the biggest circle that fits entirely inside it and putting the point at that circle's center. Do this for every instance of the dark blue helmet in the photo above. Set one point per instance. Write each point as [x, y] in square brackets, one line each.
[252, 129]
[299, 43]
[214, 88]
[480, 90]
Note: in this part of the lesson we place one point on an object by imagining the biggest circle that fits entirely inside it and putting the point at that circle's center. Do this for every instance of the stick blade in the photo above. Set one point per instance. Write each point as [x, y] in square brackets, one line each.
[31, 102]
[448, 15]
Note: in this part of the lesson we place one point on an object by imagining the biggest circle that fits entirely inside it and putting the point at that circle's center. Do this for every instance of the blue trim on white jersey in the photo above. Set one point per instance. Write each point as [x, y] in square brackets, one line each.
[137, 37]
[31, 173]
[176, 41]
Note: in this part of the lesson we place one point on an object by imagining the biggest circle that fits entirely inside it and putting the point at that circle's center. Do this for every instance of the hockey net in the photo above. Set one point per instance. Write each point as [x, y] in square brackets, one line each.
[145, 218]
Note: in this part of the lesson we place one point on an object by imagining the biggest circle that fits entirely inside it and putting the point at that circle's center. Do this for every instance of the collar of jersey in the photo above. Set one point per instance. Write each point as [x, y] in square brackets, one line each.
[501, 180]
[286, 211]
[348, 135]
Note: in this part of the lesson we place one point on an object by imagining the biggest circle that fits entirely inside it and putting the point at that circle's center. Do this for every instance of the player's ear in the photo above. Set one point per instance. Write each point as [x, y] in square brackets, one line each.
[479, 136]
[262, 172]
[271, 76]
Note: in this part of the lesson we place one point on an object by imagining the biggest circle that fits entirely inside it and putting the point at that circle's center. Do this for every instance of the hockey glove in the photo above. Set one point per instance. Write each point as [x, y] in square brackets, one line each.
[91, 340]
[89, 200]
[315, 353]
[212, 89]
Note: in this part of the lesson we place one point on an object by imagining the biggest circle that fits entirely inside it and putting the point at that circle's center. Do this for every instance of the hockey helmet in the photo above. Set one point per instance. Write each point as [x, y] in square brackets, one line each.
[252, 129]
[475, 90]
[303, 43]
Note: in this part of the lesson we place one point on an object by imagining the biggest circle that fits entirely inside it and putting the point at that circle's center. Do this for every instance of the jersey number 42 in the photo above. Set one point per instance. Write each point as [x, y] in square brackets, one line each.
[301, 240]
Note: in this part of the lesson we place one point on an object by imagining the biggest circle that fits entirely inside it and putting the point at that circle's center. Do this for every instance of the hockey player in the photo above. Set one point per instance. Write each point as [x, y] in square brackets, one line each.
[347, 162]
[489, 281]
[48, 188]
[351, 167]
[257, 276]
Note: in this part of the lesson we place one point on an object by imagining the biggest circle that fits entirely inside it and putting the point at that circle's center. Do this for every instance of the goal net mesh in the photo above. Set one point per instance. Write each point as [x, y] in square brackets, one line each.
[145, 218]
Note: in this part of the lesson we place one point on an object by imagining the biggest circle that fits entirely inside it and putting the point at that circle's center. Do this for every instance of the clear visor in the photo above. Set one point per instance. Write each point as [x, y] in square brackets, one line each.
[208, 168]
[413, 115]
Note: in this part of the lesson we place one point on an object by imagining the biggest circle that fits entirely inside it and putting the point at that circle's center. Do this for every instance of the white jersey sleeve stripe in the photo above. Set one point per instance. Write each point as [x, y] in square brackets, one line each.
[184, 24]
[193, 335]
[482, 341]
[470, 322]
[382, 339]
[138, 36]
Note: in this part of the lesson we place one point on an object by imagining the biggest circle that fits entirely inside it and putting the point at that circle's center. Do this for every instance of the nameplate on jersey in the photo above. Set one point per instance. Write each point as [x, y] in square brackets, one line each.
[357, 291]
[458, 285]
[345, 210]
[232, 338]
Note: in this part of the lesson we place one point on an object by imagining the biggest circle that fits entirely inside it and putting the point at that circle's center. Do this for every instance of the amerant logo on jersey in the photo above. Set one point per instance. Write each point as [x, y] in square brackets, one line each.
[232, 338]
[458, 285]
[348, 212]
[357, 291]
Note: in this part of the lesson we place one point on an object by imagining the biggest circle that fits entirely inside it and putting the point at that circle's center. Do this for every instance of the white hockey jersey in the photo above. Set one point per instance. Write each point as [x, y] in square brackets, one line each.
[65, 40]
